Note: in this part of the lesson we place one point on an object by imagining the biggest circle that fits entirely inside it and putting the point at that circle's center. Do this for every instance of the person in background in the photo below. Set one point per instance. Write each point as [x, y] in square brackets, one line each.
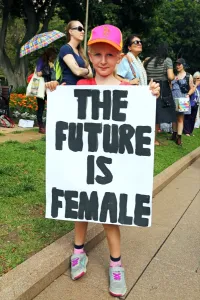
[182, 86]
[189, 120]
[160, 67]
[131, 69]
[43, 69]
[72, 59]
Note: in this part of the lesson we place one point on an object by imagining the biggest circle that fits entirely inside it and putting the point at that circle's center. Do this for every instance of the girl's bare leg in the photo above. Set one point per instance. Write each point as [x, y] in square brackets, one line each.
[113, 238]
[79, 259]
[80, 232]
[180, 119]
[174, 127]
[156, 131]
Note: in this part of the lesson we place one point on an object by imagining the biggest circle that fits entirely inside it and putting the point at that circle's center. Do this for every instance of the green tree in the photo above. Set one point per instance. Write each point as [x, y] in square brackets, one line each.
[33, 13]
[126, 14]
[177, 22]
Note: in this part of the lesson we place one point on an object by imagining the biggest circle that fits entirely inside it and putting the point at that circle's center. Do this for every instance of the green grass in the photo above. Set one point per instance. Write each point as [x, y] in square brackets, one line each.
[2, 134]
[17, 132]
[169, 152]
[23, 227]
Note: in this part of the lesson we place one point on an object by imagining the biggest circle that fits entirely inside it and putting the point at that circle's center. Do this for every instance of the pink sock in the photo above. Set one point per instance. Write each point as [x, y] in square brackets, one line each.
[115, 263]
[79, 251]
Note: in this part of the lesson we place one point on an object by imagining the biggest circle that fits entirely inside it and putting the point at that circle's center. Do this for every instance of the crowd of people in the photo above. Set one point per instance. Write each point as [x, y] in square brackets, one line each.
[131, 69]
[110, 68]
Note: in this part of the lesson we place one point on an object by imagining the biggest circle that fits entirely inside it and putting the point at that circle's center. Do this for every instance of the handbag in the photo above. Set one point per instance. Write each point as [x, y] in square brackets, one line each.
[165, 99]
[36, 87]
[6, 122]
[182, 104]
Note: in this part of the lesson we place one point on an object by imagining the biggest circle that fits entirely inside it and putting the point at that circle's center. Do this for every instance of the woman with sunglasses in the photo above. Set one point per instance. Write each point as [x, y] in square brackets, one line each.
[182, 86]
[72, 59]
[189, 120]
[131, 68]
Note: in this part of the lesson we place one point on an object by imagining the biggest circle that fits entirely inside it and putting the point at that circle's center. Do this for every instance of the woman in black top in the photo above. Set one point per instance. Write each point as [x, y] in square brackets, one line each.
[160, 67]
[43, 69]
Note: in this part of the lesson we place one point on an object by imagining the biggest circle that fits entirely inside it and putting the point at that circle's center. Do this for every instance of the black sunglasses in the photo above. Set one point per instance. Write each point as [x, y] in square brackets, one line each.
[137, 42]
[79, 28]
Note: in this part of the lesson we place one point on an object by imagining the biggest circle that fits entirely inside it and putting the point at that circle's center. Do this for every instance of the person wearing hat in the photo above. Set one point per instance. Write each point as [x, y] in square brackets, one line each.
[182, 86]
[104, 50]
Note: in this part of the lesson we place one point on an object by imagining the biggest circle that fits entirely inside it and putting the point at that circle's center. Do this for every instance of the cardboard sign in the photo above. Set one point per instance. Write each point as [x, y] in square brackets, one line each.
[100, 154]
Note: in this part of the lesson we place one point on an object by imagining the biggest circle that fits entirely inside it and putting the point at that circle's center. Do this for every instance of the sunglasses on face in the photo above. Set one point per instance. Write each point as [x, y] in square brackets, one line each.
[137, 42]
[79, 28]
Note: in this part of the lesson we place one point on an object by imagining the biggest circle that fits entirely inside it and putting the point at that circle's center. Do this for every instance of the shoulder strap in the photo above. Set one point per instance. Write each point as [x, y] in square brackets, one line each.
[188, 77]
[132, 68]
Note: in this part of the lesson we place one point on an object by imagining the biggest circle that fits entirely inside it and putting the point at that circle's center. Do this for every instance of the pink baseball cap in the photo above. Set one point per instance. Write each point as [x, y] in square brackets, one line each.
[106, 34]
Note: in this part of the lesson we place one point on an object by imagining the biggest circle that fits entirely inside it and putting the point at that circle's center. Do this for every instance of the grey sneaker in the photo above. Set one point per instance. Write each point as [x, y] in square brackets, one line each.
[78, 265]
[117, 282]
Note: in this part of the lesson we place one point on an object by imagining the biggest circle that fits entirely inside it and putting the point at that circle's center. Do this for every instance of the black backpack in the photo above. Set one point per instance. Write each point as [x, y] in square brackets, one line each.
[185, 87]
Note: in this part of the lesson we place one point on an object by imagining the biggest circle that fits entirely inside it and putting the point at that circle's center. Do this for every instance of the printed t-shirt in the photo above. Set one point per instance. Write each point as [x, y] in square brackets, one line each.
[68, 76]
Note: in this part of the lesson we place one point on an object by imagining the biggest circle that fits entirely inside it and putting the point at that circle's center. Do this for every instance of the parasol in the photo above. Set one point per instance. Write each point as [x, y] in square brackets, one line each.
[39, 41]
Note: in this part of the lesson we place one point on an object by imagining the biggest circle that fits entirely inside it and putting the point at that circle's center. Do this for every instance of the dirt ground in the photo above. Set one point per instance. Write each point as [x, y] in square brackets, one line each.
[19, 134]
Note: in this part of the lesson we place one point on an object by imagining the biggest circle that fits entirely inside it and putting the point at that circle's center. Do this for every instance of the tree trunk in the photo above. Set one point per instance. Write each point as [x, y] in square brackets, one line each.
[16, 75]
[16, 78]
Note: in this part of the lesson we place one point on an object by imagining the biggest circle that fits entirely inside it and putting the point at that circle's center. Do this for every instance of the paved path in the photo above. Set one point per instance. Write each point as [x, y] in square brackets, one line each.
[161, 262]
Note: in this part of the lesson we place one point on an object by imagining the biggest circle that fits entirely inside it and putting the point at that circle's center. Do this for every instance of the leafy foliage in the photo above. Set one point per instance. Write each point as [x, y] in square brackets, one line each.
[174, 21]
[177, 22]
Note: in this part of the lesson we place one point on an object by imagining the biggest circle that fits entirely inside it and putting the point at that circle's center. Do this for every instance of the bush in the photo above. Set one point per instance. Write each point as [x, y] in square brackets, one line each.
[19, 90]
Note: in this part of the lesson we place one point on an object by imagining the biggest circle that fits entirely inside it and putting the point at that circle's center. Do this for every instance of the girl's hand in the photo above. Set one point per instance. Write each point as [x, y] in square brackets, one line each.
[134, 81]
[155, 88]
[51, 85]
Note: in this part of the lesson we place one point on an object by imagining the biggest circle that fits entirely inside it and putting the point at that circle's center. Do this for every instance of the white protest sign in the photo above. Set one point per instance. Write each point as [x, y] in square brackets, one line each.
[100, 154]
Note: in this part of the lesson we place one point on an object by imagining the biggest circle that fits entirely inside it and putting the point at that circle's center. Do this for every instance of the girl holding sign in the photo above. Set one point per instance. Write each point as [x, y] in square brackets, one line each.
[105, 45]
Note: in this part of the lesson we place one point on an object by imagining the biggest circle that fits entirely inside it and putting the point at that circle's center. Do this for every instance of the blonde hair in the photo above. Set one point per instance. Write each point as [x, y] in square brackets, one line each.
[80, 48]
